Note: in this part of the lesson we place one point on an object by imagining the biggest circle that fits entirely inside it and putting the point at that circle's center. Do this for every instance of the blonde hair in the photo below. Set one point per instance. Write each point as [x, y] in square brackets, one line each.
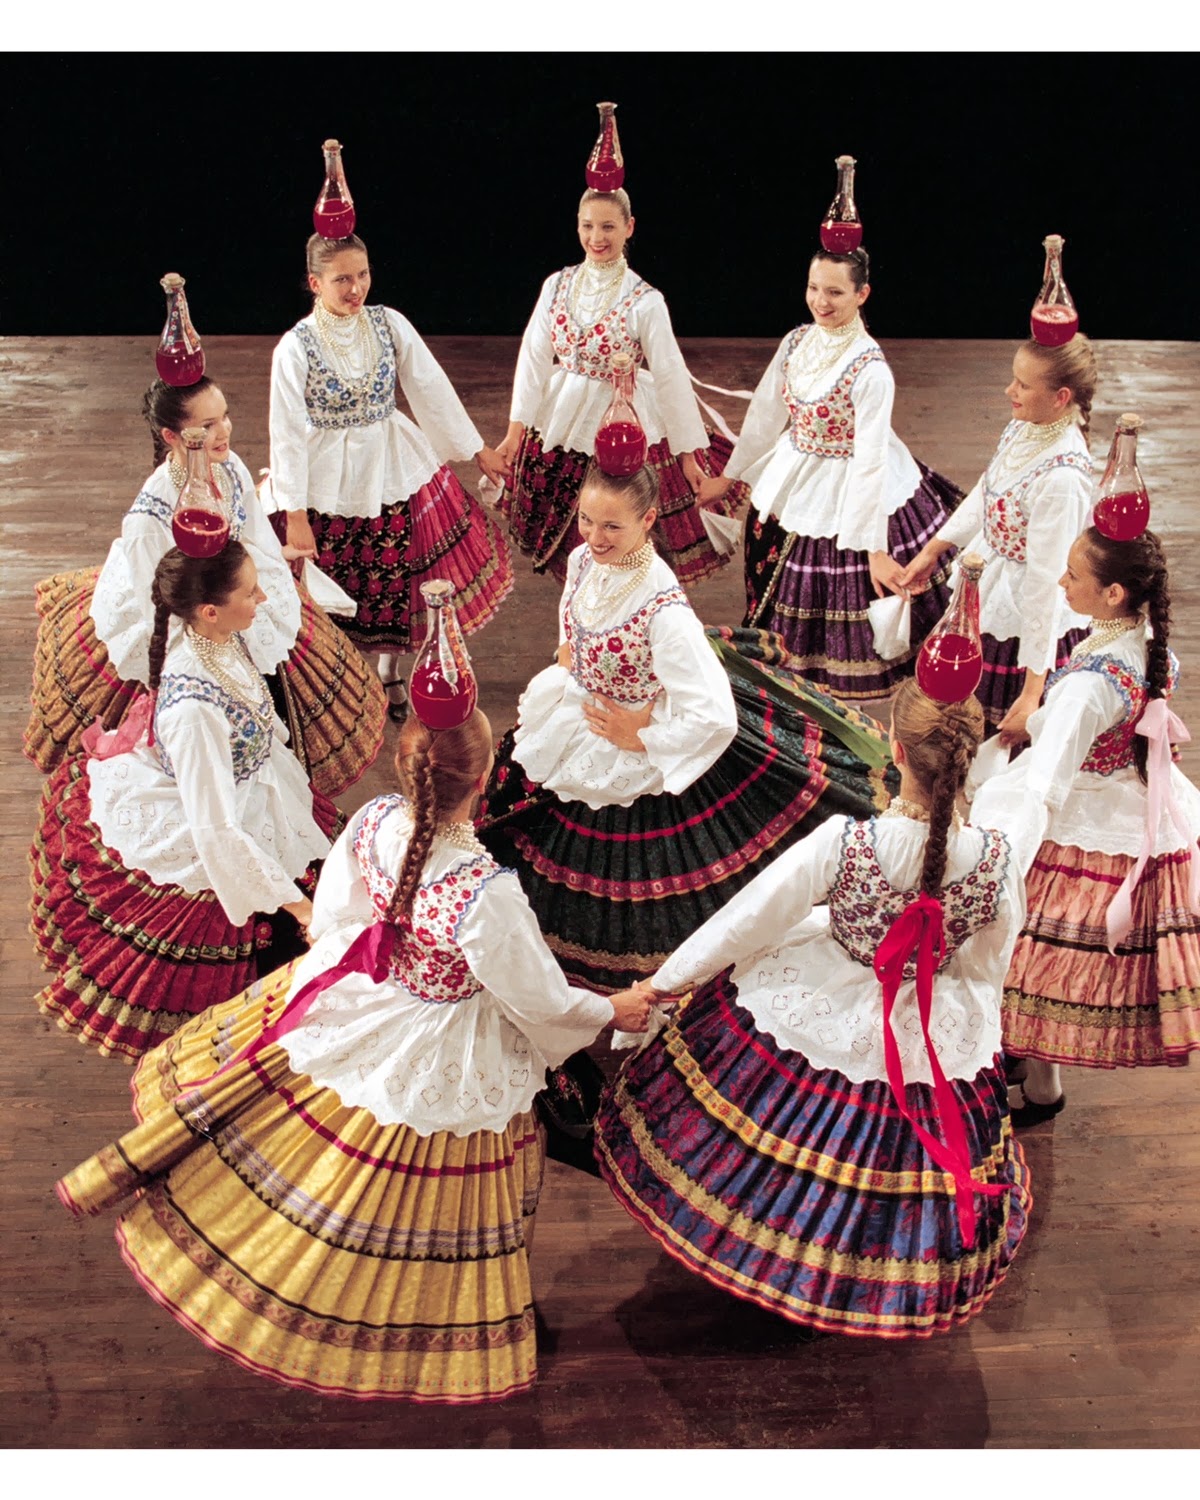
[617, 195]
[1072, 364]
[940, 741]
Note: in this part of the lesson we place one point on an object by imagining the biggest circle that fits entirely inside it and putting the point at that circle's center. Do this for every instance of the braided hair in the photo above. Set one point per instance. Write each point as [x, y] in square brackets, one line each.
[181, 585]
[438, 770]
[168, 406]
[1140, 568]
[1072, 364]
[857, 262]
[940, 741]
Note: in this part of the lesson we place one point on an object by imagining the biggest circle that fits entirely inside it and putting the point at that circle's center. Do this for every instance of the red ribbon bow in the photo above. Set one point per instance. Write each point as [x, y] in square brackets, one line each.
[918, 929]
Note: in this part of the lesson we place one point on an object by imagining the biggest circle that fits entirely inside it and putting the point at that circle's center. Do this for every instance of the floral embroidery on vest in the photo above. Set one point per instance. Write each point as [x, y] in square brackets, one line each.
[1005, 512]
[863, 904]
[824, 425]
[163, 509]
[328, 400]
[1112, 749]
[249, 741]
[589, 351]
[427, 960]
[617, 661]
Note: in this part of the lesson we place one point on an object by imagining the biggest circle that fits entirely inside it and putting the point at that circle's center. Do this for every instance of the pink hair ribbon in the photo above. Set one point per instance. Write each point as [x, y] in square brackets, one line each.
[103, 744]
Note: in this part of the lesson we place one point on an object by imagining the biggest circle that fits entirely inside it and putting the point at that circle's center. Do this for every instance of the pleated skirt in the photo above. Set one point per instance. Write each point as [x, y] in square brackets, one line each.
[132, 961]
[1067, 999]
[335, 705]
[816, 595]
[382, 561]
[542, 501]
[308, 1242]
[1003, 679]
[617, 889]
[798, 1190]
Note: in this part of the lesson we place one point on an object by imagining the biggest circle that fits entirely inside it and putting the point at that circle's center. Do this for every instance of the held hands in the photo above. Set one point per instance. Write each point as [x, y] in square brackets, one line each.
[506, 452]
[710, 490]
[631, 1008]
[915, 578]
[619, 726]
[300, 539]
[303, 913]
[1012, 725]
[493, 465]
[691, 471]
[886, 575]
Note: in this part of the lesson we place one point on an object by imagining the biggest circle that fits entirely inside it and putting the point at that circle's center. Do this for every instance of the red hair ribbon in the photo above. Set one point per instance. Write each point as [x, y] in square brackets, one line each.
[918, 929]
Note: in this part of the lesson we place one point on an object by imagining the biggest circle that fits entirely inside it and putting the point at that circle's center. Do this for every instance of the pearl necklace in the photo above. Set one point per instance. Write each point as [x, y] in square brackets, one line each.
[217, 657]
[822, 348]
[351, 345]
[1103, 633]
[593, 290]
[1035, 438]
[592, 603]
[177, 473]
[461, 835]
[901, 807]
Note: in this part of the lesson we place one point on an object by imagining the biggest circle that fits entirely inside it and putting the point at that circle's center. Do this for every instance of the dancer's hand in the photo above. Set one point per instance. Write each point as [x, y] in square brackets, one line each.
[492, 465]
[712, 489]
[300, 536]
[692, 471]
[619, 726]
[886, 575]
[631, 1009]
[563, 655]
[506, 451]
[915, 577]
[1012, 725]
[303, 912]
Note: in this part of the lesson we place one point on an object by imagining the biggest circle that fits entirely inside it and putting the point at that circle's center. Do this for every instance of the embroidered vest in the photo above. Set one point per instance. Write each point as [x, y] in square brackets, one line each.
[824, 425]
[427, 959]
[1112, 749]
[249, 741]
[162, 509]
[589, 351]
[1006, 512]
[618, 661]
[329, 402]
[863, 904]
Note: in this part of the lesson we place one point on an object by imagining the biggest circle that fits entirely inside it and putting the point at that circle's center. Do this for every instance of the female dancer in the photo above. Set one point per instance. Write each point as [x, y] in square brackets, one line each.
[654, 769]
[839, 1155]
[584, 316]
[340, 1168]
[93, 641]
[841, 505]
[1106, 971]
[155, 860]
[369, 490]
[1030, 503]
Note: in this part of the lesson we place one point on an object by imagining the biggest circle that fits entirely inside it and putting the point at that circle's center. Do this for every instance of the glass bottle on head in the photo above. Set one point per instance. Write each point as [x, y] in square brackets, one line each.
[620, 439]
[605, 170]
[179, 359]
[333, 215]
[442, 689]
[1122, 508]
[950, 661]
[1053, 319]
[200, 520]
[841, 229]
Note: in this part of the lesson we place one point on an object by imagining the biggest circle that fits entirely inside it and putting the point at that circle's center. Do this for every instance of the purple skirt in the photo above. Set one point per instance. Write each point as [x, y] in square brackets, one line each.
[1003, 679]
[816, 595]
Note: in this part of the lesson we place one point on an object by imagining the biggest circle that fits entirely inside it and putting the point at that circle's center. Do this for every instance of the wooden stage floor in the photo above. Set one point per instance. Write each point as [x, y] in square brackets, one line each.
[1094, 1340]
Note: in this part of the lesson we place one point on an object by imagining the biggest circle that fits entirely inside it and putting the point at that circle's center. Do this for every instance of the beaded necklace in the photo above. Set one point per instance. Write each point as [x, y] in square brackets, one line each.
[351, 345]
[592, 603]
[177, 473]
[1035, 439]
[592, 291]
[1103, 633]
[822, 348]
[217, 657]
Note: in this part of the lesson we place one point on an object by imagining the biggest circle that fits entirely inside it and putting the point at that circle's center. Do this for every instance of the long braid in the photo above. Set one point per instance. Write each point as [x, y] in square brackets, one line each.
[940, 741]
[158, 641]
[418, 775]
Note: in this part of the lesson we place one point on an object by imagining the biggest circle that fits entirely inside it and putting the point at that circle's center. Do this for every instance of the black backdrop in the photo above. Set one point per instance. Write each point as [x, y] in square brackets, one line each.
[466, 170]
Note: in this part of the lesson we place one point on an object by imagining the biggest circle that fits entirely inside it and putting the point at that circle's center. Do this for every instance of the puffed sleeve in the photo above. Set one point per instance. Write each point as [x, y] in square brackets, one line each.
[500, 940]
[1057, 514]
[761, 914]
[694, 720]
[121, 607]
[277, 621]
[245, 877]
[965, 523]
[863, 523]
[341, 894]
[672, 384]
[535, 359]
[288, 424]
[435, 403]
[766, 418]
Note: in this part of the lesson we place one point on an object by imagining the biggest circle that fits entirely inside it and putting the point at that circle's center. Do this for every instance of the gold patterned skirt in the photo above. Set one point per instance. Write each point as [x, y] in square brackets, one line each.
[308, 1242]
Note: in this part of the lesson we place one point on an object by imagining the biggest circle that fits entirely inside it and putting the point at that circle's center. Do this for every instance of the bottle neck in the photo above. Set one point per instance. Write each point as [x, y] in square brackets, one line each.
[1121, 470]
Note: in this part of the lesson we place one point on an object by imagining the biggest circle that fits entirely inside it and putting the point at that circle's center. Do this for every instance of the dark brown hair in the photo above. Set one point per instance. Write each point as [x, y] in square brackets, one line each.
[1140, 568]
[940, 741]
[438, 770]
[167, 406]
[857, 262]
[181, 585]
[319, 251]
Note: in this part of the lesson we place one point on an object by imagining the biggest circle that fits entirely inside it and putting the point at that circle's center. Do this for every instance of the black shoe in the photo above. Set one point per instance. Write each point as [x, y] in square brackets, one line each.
[1032, 1113]
[397, 709]
[1014, 1069]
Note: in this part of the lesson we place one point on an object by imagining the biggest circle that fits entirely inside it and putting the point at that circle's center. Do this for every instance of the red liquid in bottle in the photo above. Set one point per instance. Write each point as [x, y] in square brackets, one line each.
[839, 237]
[620, 448]
[334, 219]
[1122, 517]
[176, 366]
[437, 703]
[1053, 325]
[605, 177]
[949, 667]
[199, 533]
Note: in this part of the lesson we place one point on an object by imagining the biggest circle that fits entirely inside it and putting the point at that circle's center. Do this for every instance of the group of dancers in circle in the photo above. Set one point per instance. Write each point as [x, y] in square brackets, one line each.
[827, 970]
